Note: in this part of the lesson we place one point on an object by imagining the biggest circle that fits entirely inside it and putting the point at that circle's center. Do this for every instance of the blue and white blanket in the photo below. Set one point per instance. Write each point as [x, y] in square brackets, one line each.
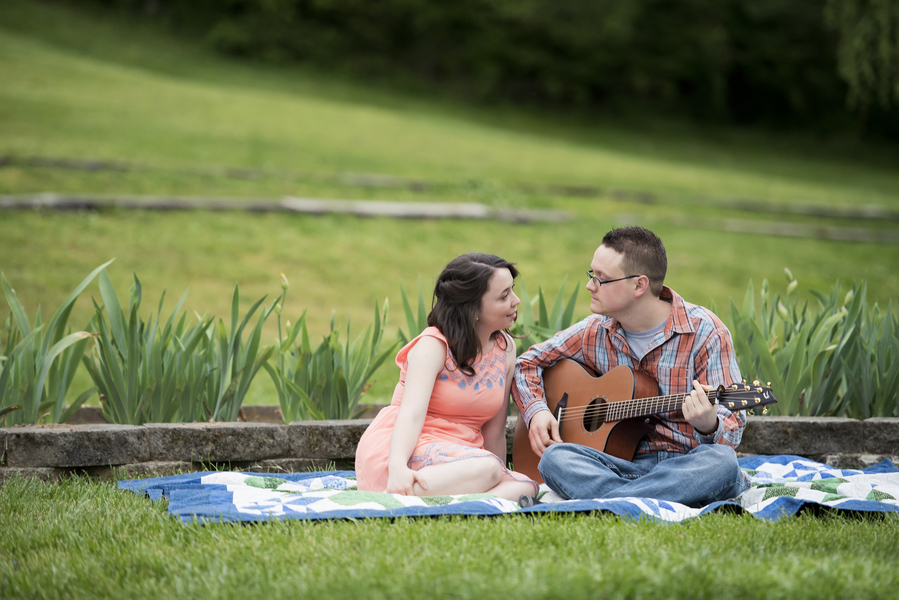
[781, 486]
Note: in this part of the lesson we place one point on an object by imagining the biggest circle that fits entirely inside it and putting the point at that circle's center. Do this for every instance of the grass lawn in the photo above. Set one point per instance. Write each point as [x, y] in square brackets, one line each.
[85, 85]
[88, 539]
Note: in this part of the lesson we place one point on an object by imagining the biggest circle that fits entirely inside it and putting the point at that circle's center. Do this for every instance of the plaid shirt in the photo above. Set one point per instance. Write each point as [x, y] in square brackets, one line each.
[694, 344]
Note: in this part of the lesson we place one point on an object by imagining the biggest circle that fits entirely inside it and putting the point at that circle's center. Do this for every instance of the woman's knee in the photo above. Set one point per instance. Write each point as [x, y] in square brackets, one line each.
[488, 470]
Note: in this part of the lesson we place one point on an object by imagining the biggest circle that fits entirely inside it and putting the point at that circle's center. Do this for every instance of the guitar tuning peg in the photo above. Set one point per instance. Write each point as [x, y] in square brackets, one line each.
[768, 384]
[756, 382]
[751, 411]
[765, 411]
[743, 382]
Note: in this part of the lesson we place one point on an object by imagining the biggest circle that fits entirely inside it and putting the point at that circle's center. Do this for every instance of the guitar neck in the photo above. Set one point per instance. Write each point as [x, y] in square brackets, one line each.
[643, 407]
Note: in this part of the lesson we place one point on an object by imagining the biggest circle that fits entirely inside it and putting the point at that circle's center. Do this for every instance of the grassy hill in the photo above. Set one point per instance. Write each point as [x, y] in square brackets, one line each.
[79, 84]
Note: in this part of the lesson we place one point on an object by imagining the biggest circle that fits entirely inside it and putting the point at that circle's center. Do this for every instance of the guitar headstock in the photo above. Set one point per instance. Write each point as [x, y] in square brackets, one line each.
[744, 396]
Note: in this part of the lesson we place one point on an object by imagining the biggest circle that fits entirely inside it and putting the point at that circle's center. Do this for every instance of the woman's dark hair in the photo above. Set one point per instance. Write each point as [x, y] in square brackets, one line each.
[457, 300]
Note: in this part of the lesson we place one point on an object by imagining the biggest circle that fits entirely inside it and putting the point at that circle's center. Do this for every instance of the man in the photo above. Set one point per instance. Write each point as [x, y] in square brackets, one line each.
[689, 455]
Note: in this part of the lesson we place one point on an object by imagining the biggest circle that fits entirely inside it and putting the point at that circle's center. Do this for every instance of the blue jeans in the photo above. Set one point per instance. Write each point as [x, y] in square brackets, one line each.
[707, 473]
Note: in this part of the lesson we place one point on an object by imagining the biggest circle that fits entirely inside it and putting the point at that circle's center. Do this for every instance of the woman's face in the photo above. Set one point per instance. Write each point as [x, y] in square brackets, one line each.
[499, 306]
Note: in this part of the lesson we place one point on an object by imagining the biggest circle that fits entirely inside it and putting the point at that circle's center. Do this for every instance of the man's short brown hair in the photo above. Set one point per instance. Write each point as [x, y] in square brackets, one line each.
[642, 254]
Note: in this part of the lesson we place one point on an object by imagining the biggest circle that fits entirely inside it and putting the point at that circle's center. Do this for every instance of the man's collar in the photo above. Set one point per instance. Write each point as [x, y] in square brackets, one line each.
[678, 321]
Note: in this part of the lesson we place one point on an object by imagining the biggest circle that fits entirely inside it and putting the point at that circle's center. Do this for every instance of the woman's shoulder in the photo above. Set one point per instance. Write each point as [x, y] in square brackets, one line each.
[428, 341]
[506, 344]
[433, 332]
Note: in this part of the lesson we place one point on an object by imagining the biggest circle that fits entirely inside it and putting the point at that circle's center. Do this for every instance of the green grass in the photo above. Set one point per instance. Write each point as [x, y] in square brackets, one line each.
[83, 84]
[87, 539]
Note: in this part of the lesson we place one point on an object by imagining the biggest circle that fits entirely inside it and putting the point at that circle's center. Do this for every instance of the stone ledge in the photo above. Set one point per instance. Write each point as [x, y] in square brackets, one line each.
[329, 440]
[804, 436]
[101, 450]
[215, 442]
[882, 435]
[73, 445]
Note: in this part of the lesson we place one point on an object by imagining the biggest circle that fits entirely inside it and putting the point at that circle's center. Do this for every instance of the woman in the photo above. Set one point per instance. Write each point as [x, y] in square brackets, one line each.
[445, 430]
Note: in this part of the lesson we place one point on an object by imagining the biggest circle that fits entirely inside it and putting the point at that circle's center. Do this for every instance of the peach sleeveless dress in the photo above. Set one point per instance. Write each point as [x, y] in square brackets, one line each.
[459, 407]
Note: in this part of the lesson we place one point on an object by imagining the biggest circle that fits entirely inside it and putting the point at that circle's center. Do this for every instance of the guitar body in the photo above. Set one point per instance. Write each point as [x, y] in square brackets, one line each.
[580, 392]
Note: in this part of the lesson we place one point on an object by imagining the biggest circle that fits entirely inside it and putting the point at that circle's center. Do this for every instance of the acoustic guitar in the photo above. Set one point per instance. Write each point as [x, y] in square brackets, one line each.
[611, 413]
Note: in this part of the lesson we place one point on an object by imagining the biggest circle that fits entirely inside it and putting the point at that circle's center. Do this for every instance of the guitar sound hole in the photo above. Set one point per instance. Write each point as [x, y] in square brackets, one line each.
[593, 415]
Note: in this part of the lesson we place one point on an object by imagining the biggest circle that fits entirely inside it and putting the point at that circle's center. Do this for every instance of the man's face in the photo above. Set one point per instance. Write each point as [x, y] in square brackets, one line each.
[610, 299]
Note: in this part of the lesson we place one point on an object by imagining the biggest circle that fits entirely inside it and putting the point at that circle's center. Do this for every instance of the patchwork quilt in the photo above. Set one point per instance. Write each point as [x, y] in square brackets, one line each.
[782, 486]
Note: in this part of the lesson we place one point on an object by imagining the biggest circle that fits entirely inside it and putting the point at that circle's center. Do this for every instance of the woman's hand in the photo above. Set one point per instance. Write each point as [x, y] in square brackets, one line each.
[424, 362]
[402, 480]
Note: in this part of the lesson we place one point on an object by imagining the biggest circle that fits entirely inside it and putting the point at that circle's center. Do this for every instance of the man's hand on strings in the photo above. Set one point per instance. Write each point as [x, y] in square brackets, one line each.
[543, 431]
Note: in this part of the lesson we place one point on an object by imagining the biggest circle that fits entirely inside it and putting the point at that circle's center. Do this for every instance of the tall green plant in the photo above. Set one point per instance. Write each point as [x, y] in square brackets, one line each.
[784, 344]
[870, 366]
[147, 371]
[234, 362]
[417, 321]
[839, 359]
[39, 364]
[326, 382]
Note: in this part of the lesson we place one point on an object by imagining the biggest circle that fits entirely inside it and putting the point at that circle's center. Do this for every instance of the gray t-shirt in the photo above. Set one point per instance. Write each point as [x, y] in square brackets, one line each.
[639, 340]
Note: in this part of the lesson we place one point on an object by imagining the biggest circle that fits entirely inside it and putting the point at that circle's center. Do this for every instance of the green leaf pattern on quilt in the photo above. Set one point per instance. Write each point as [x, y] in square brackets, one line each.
[779, 489]
[264, 483]
[436, 500]
[879, 496]
[352, 498]
[828, 485]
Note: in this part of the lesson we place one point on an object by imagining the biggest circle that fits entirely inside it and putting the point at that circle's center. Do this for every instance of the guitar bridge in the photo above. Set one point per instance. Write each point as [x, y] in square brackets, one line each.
[560, 407]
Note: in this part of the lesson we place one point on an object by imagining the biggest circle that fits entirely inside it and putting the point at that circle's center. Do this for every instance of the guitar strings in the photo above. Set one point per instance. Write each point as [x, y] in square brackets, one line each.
[624, 408]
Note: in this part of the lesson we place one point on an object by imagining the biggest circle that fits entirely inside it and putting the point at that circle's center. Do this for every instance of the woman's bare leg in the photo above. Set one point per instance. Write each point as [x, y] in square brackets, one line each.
[482, 474]
[468, 476]
[513, 490]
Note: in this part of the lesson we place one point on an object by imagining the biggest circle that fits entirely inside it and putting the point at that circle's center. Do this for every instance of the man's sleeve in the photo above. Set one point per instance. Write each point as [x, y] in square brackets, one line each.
[716, 364]
[528, 386]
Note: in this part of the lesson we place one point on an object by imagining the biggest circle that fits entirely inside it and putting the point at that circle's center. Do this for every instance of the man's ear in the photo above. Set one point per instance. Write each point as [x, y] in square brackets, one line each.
[642, 286]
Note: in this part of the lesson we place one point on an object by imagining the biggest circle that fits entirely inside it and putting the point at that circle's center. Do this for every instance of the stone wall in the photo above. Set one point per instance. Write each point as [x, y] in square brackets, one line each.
[119, 451]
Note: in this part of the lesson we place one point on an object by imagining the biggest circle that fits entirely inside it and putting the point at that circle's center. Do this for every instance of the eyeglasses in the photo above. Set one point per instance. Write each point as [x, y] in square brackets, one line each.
[599, 281]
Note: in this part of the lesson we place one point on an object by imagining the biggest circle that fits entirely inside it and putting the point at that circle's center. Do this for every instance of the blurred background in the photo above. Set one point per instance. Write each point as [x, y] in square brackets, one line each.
[751, 135]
